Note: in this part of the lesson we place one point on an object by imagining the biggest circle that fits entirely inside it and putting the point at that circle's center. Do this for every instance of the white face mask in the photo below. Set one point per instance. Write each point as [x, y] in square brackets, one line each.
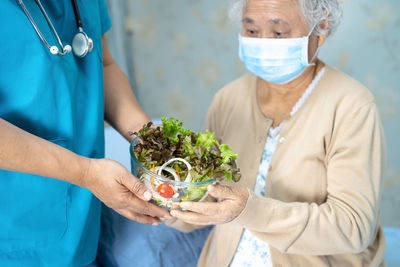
[275, 60]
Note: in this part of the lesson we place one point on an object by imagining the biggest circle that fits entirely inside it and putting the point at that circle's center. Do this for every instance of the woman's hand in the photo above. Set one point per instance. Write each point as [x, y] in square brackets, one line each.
[232, 201]
[117, 188]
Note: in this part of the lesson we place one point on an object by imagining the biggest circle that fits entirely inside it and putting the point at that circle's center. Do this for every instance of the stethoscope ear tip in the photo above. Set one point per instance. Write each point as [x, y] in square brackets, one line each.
[67, 49]
[54, 50]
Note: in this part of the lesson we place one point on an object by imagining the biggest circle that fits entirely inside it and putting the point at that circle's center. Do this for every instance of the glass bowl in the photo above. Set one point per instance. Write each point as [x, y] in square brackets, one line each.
[167, 192]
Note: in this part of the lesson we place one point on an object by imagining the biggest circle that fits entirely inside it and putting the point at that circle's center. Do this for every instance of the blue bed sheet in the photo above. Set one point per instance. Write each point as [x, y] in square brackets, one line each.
[125, 243]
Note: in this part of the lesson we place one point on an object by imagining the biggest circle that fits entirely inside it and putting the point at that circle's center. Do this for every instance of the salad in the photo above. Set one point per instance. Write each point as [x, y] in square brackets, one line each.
[177, 164]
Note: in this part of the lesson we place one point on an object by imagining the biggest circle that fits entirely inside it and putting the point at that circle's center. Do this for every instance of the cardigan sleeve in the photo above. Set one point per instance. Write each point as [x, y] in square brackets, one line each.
[346, 221]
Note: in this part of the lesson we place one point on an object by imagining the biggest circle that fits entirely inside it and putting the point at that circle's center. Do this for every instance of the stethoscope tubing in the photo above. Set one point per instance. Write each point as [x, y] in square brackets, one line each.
[54, 49]
[77, 15]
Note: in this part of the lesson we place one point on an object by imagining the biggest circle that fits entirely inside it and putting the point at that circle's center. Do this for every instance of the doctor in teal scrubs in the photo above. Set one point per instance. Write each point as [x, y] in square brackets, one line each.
[52, 111]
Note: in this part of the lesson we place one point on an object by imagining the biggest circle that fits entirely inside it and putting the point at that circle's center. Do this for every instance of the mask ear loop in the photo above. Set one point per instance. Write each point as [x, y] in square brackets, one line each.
[315, 56]
[311, 63]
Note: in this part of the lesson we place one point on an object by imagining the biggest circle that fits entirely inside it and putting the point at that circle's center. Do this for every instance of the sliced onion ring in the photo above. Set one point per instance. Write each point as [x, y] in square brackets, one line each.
[168, 169]
[188, 177]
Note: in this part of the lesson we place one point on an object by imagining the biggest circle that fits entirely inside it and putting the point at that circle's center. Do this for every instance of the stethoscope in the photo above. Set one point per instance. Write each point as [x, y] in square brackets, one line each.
[81, 44]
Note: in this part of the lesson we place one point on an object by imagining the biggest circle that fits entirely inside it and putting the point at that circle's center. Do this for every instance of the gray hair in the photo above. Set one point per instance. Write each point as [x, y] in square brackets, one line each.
[314, 11]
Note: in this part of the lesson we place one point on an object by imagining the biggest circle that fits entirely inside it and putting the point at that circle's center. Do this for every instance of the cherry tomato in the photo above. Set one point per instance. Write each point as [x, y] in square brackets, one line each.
[165, 190]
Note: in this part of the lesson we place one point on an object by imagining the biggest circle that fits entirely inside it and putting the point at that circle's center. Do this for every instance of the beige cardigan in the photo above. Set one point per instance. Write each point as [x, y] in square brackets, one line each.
[323, 188]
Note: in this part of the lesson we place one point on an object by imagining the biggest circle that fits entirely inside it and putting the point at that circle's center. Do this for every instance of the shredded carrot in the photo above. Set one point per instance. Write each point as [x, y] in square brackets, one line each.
[177, 172]
[152, 177]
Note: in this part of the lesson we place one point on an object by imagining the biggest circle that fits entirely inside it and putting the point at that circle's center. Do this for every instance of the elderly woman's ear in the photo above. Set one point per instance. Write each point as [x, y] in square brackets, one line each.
[318, 39]
[322, 37]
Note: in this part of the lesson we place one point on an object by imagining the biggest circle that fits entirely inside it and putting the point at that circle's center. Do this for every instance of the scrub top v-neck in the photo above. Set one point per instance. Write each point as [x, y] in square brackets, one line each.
[43, 221]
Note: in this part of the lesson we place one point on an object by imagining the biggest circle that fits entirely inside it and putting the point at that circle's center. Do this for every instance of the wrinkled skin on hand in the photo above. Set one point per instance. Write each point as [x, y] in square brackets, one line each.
[117, 188]
[231, 202]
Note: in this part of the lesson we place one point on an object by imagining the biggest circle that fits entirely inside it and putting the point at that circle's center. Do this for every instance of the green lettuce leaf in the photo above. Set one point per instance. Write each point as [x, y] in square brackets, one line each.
[173, 128]
[226, 153]
[206, 139]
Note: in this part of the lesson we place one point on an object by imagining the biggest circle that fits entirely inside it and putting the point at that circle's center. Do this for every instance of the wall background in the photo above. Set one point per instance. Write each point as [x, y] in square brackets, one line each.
[178, 53]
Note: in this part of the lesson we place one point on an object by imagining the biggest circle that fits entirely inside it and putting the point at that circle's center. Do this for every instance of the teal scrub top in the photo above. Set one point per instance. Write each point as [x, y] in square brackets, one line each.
[43, 221]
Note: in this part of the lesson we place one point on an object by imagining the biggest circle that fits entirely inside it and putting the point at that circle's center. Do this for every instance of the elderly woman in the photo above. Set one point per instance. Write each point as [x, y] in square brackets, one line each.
[310, 149]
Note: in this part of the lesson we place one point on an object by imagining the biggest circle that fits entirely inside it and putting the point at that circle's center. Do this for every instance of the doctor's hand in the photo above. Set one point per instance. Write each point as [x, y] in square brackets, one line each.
[117, 188]
[231, 202]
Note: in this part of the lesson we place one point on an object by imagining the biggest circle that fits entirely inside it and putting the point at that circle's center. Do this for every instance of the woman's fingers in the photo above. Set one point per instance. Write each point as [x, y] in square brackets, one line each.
[206, 208]
[221, 191]
[237, 194]
[233, 200]
[193, 217]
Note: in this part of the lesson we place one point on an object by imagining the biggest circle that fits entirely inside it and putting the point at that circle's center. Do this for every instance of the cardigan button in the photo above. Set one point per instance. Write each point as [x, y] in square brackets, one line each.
[282, 140]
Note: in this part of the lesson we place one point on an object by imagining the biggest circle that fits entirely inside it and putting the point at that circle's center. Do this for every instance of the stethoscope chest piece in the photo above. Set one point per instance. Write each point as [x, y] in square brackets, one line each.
[81, 44]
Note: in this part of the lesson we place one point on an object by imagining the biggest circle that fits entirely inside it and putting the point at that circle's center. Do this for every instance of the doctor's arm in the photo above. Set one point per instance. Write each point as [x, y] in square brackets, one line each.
[112, 183]
[122, 109]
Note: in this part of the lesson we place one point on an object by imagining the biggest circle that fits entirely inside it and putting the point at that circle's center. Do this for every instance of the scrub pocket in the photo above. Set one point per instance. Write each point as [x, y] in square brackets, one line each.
[33, 210]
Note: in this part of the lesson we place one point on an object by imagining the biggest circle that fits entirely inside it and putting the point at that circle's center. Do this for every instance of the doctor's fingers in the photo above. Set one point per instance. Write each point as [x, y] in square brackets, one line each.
[140, 218]
[140, 206]
[136, 186]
